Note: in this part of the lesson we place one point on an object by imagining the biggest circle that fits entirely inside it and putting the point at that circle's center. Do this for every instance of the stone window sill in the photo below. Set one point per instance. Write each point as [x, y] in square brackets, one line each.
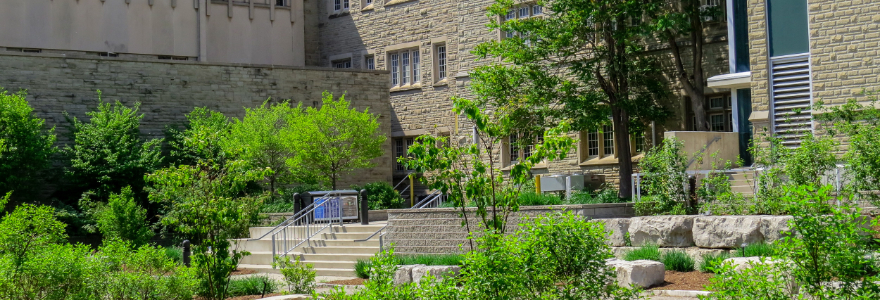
[406, 87]
[368, 7]
[444, 82]
[604, 161]
[393, 2]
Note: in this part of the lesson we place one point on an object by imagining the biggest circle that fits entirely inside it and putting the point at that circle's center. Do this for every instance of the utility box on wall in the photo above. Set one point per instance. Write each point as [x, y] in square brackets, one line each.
[553, 183]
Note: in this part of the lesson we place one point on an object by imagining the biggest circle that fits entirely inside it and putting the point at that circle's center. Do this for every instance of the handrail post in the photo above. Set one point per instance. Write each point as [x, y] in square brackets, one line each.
[412, 192]
[365, 208]
[274, 252]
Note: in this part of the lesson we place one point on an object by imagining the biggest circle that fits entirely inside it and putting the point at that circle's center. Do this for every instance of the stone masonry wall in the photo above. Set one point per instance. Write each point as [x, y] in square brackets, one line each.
[440, 230]
[169, 89]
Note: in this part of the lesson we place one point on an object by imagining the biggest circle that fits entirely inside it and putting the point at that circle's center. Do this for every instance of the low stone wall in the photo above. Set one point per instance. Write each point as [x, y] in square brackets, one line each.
[440, 230]
[710, 232]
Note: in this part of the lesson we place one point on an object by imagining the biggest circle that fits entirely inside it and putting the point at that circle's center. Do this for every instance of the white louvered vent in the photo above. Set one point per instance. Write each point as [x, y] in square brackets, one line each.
[792, 90]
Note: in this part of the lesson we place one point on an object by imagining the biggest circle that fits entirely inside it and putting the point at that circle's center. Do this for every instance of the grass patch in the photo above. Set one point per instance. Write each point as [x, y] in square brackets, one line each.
[712, 261]
[252, 285]
[757, 249]
[362, 268]
[532, 199]
[431, 260]
[678, 261]
[175, 254]
[646, 252]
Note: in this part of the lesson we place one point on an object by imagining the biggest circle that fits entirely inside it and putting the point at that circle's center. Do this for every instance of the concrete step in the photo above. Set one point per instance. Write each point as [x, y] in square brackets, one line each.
[265, 258]
[256, 232]
[344, 236]
[339, 250]
[266, 245]
[318, 271]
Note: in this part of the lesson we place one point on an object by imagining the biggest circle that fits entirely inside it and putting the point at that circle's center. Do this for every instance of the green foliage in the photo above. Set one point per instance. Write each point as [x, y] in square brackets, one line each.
[712, 262]
[757, 249]
[664, 178]
[107, 153]
[201, 139]
[718, 196]
[208, 204]
[362, 269]
[678, 261]
[828, 243]
[574, 65]
[335, 140]
[252, 285]
[381, 195]
[124, 219]
[299, 276]
[28, 227]
[532, 199]
[25, 145]
[145, 272]
[563, 254]
[175, 254]
[646, 252]
[262, 139]
[461, 173]
[431, 260]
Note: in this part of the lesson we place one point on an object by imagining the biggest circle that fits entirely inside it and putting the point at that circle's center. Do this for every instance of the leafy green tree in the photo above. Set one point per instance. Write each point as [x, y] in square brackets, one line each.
[201, 139]
[470, 175]
[335, 140]
[108, 153]
[261, 138]
[579, 63]
[684, 19]
[208, 204]
[25, 145]
[124, 219]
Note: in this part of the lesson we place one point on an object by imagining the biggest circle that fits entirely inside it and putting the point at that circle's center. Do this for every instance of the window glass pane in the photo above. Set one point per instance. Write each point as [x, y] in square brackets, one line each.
[741, 35]
[369, 2]
[399, 152]
[371, 63]
[441, 62]
[395, 73]
[716, 122]
[404, 67]
[608, 138]
[345, 3]
[514, 148]
[716, 102]
[524, 12]
[593, 144]
[788, 27]
[537, 10]
[337, 4]
[415, 70]
[511, 14]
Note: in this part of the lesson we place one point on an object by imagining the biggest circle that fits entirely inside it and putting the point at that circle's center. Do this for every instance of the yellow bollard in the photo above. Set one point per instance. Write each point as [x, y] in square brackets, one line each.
[537, 184]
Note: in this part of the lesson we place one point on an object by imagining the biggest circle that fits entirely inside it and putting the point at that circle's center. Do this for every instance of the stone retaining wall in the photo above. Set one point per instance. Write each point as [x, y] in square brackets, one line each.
[440, 230]
[710, 232]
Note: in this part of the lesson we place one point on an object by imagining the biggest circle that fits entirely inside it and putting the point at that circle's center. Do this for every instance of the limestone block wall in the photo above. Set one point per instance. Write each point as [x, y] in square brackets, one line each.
[440, 230]
[169, 89]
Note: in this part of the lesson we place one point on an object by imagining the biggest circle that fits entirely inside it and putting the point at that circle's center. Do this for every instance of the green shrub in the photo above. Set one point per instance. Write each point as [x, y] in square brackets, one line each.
[122, 218]
[646, 252]
[664, 177]
[201, 139]
[252, 285]
[581, 197]
[145, 273]
[678, 261]
[381, 195]
[26, 144]
[175, 254]
[299, 276]
[533, 199]
[362, 269]
[712, 262]
[431, 260]
[107, 153]
[756, 249]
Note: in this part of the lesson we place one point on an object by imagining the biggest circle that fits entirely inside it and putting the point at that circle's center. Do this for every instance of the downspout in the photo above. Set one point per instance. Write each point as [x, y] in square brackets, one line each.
[198, 30]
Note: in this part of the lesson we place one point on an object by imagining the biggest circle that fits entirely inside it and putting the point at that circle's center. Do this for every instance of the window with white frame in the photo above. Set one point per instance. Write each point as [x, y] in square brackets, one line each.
[719, 113]
[368, 2]
[340, 5]
[342, 64]
[537, 10]
[522, 12]
[405, 67]
[370, 62]
[441, 62]
[401, 146]
[608, 140]
[520, 146]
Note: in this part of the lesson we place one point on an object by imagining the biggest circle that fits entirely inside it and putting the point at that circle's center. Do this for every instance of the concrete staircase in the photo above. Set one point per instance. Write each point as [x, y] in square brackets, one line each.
[333, 252]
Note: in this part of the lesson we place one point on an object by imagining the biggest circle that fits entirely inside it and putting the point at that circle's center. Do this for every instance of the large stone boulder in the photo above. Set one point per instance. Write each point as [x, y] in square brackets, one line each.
[664, 231]
[436, 271]
[642, 273]
[773, 228]
[404, 274]
[617, 229]
[727, 232]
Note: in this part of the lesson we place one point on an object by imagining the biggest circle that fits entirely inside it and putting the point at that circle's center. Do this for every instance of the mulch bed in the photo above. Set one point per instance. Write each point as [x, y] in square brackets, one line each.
[242, 272]
[355, 281]
[253, 297]
[688, 281]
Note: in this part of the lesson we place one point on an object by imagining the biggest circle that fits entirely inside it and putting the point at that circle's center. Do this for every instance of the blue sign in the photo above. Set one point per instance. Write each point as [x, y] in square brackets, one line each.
[330, 209]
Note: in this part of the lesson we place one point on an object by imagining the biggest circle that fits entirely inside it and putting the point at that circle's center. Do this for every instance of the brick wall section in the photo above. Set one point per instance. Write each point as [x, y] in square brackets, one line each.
[844, 44]
[440, 230]
[168, 90]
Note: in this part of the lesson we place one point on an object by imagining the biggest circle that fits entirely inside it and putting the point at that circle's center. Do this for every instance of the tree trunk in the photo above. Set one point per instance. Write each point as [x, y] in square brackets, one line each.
[698, 105]
[624, 152]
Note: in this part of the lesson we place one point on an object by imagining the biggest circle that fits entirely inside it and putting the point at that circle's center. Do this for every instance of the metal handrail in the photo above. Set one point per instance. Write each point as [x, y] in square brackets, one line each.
[307, 229]
[285, 222]
[381, 238]
[436, 195]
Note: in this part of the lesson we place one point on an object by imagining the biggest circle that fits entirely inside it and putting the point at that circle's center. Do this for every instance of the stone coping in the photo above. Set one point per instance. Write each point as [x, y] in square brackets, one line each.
[194, 63]
[521, 208]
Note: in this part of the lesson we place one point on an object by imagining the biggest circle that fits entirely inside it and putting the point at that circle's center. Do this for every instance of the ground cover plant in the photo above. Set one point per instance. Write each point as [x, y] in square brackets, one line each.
[252, 285]
[677, 261]
[646, 252]
[712, 262]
